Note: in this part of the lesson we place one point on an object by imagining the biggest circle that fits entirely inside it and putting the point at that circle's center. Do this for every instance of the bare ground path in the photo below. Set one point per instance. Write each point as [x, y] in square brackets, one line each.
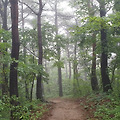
[66, 109]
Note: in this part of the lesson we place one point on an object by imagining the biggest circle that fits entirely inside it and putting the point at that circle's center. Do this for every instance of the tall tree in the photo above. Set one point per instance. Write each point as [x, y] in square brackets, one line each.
[39, 78]
[14, 53]
[94, 82]
[24, 50]
[39, 94]
[104, 56]
[58, 51]
[15, 48]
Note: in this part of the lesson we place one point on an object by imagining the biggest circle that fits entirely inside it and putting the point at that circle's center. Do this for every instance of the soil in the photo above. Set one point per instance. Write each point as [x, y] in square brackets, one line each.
[65, 109]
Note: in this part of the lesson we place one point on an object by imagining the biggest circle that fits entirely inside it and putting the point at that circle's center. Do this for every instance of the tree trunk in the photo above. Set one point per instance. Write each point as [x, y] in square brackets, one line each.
[94, 82]
[14, 54]
[75, 70]
[31, 91]
[39, 77]
[76, 86]
[59, 73]
[26, 90]
[47, 71]
[69, 63]
[58, 53]
[5, 15]
[66, 69]
[24, 52]
[39, 92]
[104, 56]
[15, 48]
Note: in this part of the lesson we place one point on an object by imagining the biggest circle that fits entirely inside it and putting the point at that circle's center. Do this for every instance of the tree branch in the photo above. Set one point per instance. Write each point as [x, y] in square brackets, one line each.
[28, 7]
[30, 51]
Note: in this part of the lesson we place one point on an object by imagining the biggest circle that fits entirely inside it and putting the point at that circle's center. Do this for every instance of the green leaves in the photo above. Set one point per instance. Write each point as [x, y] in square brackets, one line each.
[3, 47]
[58, 64]
[117, 5]
[5, 35]
[30, 70]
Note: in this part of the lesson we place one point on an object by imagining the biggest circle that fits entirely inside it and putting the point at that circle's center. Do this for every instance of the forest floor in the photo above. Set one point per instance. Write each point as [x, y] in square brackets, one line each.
[92, 107]
[65, 109]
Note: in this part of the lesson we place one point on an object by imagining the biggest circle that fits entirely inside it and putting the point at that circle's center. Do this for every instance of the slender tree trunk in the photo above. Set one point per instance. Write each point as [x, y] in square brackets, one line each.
[94, 82]
[104, 56]
[59, 73]
[5, 15]
[69, 70]
[39, 78]
[14, 54]
[24, 52]
[66, 69]
[47, 71]
[69, 63]
[33, 79]
[39, 92]
[75, 72]
[26, 90]
[31, 91]
[58, 53]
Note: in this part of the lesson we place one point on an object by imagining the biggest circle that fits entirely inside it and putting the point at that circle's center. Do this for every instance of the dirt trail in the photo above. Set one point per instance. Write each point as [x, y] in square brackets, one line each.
[66, 109]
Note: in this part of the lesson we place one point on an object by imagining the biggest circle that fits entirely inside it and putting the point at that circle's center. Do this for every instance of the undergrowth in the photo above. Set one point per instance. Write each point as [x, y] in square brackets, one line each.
[25, 111]
[102, 106]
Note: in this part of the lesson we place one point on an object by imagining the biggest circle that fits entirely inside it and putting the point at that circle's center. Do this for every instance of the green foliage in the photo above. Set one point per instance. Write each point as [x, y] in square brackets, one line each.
[5, 108]
[116, 5]
[60, 40]
[3, 47]
[5, 56]
[48, 33]
[103, 106]
[58, 64]
[109, 108]
[5, 35]
[30, 70]
[81, 88]
[26, 110]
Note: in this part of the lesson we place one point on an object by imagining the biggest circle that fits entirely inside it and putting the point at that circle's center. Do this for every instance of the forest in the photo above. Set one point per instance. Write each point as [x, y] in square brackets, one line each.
[59, 54]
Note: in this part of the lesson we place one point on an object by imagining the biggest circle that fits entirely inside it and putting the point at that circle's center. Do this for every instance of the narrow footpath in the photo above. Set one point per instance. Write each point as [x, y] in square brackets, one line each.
[66, 109]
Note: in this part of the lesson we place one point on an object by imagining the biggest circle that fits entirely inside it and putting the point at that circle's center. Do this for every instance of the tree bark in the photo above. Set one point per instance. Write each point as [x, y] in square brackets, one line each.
[15, 48]
[39, 92]
[14, 55]
[94, 82]
[104, 56]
